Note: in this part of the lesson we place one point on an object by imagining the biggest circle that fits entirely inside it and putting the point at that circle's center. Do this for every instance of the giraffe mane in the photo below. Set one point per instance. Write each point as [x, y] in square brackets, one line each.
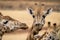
[8, 18]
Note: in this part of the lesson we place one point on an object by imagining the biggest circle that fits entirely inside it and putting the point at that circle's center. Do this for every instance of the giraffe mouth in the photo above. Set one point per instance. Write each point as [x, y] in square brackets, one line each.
[24, 28]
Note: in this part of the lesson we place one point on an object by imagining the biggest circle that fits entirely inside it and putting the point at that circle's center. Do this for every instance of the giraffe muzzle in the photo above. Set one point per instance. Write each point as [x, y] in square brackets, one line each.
[37, 24]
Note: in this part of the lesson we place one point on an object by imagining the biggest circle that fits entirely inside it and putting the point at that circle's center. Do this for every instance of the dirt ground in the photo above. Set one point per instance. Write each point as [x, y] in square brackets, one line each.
[25, 17]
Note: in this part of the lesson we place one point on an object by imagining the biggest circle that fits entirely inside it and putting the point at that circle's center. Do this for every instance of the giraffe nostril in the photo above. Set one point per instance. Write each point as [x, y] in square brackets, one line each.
[54, 24]
[37, 24]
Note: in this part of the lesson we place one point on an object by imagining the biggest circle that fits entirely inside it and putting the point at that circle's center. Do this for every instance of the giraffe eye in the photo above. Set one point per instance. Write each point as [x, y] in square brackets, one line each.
[6, 22]
[33, 16]
[43, 16]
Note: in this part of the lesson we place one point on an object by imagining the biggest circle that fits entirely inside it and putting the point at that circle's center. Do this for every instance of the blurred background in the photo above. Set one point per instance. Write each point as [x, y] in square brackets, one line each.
[23, 4]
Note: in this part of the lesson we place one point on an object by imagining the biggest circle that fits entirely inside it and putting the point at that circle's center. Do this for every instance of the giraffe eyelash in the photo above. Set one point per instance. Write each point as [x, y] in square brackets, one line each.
[5, 22]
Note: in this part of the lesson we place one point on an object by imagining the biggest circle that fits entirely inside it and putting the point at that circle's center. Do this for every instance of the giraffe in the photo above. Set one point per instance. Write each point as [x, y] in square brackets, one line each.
[51, 32]
[39, 21]
[8, 24]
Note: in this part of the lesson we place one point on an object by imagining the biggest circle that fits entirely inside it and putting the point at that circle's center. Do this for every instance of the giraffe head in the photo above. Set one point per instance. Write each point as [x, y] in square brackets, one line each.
[11, 23]
[39, 15]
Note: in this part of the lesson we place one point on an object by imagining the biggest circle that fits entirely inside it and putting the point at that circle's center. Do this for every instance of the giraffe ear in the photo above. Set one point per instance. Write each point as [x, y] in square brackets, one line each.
[30, 10]
[49, 10]
[1, 14]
